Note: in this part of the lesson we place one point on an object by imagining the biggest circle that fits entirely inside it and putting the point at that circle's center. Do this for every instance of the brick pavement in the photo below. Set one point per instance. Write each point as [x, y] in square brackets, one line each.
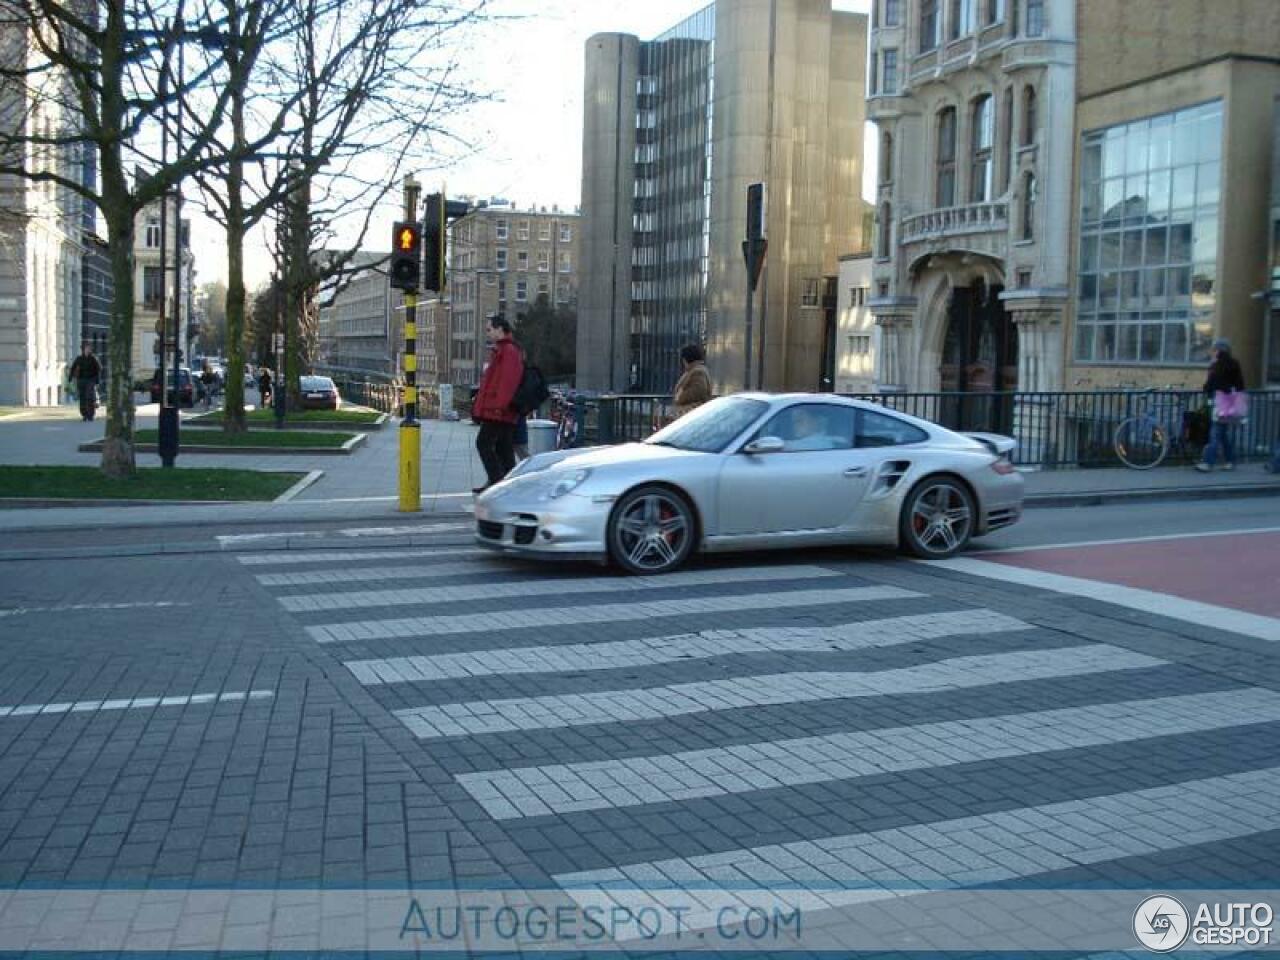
[859, 723]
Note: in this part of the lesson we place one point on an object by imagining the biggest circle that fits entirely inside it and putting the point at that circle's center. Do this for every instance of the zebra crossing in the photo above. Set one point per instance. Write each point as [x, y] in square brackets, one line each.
[807, 725]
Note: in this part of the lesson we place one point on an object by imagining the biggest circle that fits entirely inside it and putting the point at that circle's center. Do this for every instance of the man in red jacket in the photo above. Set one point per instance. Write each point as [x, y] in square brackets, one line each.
[492, 408]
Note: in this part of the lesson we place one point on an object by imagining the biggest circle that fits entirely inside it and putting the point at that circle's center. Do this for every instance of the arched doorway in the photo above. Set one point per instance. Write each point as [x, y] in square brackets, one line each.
[979, 357]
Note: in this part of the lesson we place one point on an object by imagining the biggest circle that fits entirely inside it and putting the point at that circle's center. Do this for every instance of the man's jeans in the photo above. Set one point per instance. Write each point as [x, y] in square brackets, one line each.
[497, 453]
[87, 390]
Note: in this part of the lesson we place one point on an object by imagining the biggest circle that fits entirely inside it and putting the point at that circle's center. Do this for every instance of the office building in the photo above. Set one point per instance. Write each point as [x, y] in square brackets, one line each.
[675, 129]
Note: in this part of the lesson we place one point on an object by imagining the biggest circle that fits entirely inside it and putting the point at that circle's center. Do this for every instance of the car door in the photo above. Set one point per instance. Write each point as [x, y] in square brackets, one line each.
[813, 484]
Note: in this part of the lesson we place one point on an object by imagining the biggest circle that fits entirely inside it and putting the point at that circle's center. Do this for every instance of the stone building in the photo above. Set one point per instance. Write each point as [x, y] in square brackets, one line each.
[675, 129]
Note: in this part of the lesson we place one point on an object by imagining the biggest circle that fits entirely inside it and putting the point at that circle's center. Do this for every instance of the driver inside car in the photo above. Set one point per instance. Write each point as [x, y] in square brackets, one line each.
[807, 432]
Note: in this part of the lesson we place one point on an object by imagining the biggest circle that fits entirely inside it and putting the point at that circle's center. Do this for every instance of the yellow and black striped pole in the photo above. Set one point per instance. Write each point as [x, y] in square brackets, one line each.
[410, 432]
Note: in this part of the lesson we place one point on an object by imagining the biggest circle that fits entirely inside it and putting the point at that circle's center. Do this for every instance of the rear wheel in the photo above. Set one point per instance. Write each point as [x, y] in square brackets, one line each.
[1141, 444]
[651, 530]
[937, 519]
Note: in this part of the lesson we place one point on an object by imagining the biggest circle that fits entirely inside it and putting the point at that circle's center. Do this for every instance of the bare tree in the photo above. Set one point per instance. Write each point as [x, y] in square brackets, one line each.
[100, 74]
[331, 81]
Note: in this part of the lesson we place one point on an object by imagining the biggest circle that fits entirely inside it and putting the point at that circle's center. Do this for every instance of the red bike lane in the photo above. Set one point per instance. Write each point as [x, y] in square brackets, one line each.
[1239, 570]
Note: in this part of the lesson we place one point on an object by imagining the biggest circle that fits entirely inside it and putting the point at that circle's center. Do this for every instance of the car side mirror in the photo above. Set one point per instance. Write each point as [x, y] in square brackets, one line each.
[764, 445]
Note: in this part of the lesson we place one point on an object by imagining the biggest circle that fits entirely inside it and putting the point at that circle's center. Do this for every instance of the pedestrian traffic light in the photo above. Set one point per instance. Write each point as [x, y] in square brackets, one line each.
[406, 256]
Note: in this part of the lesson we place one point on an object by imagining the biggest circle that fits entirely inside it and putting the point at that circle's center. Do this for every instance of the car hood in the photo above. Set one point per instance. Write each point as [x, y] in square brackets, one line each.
[594, 458]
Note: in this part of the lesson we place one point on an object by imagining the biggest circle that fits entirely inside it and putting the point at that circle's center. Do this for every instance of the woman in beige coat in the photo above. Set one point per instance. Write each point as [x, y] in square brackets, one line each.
[694, 386]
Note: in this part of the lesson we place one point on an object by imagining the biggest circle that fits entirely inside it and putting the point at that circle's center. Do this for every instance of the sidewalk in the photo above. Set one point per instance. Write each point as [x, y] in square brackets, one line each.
[363, 486]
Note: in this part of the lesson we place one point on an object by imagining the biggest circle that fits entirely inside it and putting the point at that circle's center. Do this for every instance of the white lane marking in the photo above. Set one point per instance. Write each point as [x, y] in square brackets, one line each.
[283, 559]
[1148, 601]
[134, 703]
[578, 657]
[301, 485]
[1155, 538]
[505, 589]
[654, 703]
[234, 541]
[403, 531]
[69, 607]
[602, 614]
[358, 574]
[664, 778]
[991, 848]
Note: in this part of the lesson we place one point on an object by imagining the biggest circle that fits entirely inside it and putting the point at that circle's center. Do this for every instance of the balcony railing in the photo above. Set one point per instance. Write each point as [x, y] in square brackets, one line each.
[956, 221]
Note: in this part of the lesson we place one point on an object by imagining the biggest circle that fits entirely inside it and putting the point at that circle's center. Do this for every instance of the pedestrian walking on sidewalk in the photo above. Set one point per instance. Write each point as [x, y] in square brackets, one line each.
[1225, 384]
[85, 370]
[206, 381]
[493, 408]
[264, 388]
[693, 389]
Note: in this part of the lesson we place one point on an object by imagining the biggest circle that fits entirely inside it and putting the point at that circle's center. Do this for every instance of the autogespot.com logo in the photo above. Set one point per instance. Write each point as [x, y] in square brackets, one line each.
[1161, 924]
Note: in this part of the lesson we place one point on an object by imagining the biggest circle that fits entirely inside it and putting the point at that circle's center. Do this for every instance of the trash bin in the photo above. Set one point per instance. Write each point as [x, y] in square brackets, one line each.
[542, 436]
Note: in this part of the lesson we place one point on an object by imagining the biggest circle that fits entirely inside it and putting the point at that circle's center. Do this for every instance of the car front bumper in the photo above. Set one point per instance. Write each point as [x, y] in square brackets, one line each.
[571, 526]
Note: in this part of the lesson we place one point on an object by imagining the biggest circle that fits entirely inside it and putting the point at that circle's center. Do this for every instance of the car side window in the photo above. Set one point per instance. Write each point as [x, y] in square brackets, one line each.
[882, 430]
[812, 426]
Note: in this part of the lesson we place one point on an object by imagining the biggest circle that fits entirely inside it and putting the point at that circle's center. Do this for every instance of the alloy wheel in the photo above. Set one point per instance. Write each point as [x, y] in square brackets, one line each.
[938, 520]
[652, 531]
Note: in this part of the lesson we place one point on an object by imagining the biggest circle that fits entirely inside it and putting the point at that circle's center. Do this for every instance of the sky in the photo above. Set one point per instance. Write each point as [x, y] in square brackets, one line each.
[528, 140]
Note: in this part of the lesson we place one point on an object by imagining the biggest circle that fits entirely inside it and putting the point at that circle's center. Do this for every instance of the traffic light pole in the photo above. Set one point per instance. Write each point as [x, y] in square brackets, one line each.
[410, 430]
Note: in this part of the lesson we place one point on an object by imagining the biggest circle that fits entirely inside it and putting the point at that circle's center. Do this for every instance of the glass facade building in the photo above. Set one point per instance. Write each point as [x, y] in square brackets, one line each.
[671, 217]
[1150, 192]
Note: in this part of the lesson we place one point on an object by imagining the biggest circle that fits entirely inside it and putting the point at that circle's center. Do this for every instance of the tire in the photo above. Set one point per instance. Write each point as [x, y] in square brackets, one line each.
[651, 530]
[1141, 444]
[938, 518]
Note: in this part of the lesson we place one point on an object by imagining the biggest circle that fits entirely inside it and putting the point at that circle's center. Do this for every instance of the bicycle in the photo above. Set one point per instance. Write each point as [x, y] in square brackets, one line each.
[1142, 440]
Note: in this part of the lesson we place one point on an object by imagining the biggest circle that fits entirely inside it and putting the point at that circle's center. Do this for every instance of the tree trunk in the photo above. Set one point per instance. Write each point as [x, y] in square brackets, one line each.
[117, 449]
[233, 415]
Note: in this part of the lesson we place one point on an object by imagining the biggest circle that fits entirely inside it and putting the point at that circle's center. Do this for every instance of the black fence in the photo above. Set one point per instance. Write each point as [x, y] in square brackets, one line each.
[1053, 430]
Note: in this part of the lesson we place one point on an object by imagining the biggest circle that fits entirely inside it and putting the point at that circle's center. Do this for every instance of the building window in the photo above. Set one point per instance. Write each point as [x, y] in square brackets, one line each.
[886, 229]
[502, 290]
[500, 229]
[500, 258]
[522, 291]
[1024, 279]
[522, 230]
[544, 230]
[993, 11]
[1035, 18]
[945, 186]
[886, 157]
[152, 286]
[566, 233]
[1028, 205]
[490, 279]
[873, 74]
[928, 25]
[809, 298]
[892, 13]
[882, 288]
[522, 259]
[153, 234]
[1149, 228]
[961, 19]
[566, 263]
[1029, 119]
[544, 289]
[544, 261]
[1006, 141]
[860, 344]
[857, 296]
[984, 133]
[890, 85]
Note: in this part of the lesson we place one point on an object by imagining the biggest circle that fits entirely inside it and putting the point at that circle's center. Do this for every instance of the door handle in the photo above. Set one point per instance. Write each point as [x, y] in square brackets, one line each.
[856, 472]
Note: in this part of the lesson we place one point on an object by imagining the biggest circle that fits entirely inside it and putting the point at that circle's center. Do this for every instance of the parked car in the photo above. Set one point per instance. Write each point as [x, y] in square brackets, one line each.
[186, 387]
[754, 471]
[319, 393]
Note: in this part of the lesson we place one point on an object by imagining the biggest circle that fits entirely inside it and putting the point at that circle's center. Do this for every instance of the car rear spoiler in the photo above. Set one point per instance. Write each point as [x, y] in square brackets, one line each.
[998, 444]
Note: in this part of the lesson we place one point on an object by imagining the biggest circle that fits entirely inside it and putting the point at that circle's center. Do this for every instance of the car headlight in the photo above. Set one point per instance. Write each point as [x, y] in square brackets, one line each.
[568, 483]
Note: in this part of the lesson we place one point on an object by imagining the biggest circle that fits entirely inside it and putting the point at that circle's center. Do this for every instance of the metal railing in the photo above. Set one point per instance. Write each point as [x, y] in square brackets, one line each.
[1053, 429]
[384, 397]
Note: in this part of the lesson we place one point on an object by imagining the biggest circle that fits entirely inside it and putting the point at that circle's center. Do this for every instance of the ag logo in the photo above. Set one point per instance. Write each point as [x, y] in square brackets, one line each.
[1161, 924]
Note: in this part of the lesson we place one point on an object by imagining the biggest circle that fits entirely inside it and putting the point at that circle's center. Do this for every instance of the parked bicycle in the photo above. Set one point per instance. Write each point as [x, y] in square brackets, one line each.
[1162, 422]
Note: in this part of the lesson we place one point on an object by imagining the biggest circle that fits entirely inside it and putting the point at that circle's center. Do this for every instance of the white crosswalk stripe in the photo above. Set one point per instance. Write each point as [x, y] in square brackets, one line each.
[689, 646]
[599, 614]
[308, 603]
[597, 785]
[404, 571]
[653, 703]
[284, 558]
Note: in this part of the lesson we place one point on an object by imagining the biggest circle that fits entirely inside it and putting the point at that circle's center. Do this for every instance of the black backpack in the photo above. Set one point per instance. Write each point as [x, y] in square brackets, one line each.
[532, 392]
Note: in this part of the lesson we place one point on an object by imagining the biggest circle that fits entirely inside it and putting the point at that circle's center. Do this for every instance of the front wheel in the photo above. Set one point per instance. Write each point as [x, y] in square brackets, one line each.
[937, 519]
[1141, 444]
[651, 531]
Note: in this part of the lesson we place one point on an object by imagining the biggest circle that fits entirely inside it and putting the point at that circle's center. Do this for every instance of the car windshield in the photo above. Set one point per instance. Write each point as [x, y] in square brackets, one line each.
[711, 427]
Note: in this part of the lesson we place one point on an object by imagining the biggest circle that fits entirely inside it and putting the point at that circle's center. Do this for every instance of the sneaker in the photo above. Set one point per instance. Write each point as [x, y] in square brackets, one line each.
[1203, 467]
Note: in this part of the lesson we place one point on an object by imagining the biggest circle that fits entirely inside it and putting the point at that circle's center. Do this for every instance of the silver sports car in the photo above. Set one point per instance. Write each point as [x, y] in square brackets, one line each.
[757, 470]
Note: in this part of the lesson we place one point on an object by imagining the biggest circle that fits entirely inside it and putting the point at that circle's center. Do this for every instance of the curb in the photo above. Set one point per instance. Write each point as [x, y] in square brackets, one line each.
[1099, 498]
[298, 487]
[330, 426]
[345, 450]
